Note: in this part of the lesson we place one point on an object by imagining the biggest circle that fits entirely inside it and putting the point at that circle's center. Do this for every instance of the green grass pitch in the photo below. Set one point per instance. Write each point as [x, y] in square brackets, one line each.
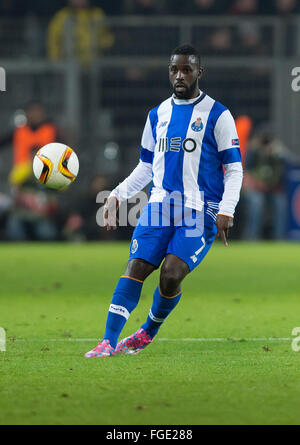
[53, 304]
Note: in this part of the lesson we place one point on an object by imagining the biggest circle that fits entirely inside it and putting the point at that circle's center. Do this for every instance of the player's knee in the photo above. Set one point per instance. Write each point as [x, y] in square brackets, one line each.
[139, 269]
[170, 280]
[169, 286]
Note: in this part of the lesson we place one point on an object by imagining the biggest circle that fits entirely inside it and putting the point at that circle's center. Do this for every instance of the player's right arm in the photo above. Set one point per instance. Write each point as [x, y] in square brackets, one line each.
[136, 181]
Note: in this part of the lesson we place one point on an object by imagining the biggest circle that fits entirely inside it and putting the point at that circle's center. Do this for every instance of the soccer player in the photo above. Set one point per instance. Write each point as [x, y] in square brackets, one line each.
[190, 149]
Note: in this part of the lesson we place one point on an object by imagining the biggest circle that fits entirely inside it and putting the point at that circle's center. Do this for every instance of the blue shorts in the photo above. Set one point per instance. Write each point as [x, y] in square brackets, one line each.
[163, 230]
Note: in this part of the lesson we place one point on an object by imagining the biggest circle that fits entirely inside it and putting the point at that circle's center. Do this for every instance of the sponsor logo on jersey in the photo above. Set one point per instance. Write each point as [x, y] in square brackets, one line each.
[134, 246]
[176, 144]
[197, 125]
[235, 142]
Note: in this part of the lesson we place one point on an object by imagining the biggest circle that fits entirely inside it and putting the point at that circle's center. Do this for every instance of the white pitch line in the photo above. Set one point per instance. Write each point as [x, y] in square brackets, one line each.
[204, 339]
[196, 339]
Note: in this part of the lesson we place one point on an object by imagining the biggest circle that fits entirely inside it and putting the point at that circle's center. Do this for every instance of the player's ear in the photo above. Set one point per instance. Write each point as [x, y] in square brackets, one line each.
[201, 71]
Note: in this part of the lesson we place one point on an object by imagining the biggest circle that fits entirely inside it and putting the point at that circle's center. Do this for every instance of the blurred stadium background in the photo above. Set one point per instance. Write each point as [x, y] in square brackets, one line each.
[92, 69]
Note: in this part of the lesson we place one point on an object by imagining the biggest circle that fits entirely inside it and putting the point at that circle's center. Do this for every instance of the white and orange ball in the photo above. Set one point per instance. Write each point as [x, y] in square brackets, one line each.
[55, 165]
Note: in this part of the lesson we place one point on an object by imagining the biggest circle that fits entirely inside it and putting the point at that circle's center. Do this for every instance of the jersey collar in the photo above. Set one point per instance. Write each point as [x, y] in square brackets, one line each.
[193, 101]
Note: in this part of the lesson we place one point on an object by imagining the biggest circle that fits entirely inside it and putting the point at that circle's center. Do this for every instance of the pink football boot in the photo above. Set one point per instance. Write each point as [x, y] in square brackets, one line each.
[103, 349]
[133, 344]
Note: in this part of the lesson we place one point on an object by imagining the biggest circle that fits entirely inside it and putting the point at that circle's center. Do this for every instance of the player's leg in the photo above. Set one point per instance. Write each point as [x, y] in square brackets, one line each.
[139, 269]
[166, 297]
[184, 253]
[186, 250]
[167, 294]
[126, 297]
[148, 248]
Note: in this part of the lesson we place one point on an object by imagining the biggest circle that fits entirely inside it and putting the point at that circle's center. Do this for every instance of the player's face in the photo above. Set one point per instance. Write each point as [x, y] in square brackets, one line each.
[184, 73]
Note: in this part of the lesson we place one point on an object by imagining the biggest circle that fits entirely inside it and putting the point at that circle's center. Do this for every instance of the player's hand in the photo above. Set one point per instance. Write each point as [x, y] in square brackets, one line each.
[111, 206]
[224, 223]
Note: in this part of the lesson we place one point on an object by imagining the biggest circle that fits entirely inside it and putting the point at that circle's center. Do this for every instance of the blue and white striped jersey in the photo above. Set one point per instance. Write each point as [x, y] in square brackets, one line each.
[188, 142]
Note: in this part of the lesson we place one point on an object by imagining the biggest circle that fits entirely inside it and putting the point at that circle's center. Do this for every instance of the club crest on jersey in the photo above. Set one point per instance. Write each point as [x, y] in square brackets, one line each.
[134, 246]
[197, 125]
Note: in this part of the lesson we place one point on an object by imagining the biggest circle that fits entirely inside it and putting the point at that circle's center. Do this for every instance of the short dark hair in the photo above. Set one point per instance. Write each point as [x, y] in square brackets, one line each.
[187, 50]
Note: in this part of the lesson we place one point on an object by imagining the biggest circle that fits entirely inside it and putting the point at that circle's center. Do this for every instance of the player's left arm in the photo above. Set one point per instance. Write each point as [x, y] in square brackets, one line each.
[230, 156]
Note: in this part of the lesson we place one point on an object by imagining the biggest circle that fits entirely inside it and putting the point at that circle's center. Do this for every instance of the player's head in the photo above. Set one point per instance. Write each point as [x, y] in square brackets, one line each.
[185, 71]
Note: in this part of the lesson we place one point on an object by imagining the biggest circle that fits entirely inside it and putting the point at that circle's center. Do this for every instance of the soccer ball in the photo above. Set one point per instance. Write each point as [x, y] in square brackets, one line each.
[55, 165]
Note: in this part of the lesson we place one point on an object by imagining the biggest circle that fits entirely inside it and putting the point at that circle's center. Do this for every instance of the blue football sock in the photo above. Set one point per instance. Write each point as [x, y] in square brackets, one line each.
[160, 310]
[125, 298]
